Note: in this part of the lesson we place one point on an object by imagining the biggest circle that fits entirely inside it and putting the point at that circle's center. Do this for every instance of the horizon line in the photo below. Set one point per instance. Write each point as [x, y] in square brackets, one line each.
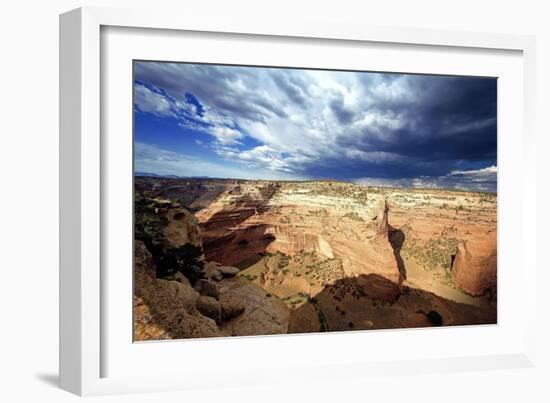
[205, 177]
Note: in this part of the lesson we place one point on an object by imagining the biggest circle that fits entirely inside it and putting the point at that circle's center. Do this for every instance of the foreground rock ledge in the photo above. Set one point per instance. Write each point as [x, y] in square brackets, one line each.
[175, 310]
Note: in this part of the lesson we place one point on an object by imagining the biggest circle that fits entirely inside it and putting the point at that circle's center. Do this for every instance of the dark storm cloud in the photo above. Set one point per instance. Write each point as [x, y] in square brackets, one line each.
[294, 88]
[327, 123]
[343, 114]
[449, 118]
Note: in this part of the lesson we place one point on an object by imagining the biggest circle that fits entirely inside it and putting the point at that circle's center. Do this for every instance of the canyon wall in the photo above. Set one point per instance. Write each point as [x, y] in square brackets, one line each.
[475, 265]
[241, 226]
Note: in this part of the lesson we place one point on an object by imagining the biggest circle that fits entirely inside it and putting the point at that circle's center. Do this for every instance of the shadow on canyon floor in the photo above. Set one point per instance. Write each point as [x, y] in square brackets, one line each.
[361, 303]
[397, 239]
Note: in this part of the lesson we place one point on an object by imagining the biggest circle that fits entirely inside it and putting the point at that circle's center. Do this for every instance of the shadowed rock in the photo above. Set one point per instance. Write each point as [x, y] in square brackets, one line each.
[231, 306]
[208, 288]
[228, 271]
[170, 304]
[263, 313]
[210, 307]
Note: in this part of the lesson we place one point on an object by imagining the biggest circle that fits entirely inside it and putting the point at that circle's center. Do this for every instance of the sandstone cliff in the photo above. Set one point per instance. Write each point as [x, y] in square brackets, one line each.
[475, 265]
[245, 224]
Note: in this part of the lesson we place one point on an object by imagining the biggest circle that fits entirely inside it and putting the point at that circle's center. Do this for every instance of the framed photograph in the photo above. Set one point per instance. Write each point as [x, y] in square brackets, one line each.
[327, 198]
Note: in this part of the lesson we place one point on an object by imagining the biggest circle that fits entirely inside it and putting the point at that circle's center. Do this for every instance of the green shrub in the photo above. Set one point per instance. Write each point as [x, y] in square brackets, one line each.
[283, 262]
[149, 223]
[183, 259]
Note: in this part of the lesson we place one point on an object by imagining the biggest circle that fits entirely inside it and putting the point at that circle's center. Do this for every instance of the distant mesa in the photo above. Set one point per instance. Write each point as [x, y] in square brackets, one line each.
[152, 175]
[167, 176]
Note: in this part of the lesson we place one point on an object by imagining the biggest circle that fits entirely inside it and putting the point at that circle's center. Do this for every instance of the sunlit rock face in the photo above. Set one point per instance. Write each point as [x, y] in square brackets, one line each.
[181, 228]
[475, 264]
[334, 220]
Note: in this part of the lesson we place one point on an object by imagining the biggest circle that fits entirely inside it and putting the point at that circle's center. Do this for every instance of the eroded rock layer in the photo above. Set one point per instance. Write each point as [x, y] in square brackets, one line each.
[475, 265]
[245, 224]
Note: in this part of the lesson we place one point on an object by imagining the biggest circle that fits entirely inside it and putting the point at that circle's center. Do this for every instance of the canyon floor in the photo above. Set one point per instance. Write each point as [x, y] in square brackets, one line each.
[292, 257]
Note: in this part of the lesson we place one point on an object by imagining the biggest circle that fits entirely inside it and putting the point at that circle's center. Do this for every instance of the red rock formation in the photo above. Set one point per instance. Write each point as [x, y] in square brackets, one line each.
[382, 219]
[229, 227]
[240, 227]
[290, 240]
[475, 265]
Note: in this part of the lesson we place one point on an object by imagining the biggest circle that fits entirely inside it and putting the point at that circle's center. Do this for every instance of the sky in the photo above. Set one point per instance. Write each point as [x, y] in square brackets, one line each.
[379, 129]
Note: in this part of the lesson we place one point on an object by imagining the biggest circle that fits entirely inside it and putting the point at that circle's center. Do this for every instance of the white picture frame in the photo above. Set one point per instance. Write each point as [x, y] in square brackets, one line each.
[85, 346]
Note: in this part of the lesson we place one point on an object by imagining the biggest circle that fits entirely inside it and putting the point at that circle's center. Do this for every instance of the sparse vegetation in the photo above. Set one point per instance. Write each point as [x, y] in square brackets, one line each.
[354, 216]
[283, 261]
[433, 253]
[149, 222]
[183, 259]
[250, 277]
[296, 300]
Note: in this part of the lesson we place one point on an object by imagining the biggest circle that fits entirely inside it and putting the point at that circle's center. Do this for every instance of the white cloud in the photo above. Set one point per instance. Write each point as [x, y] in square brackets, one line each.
[265, 156]
[303, 114]
[226, 135]
[152, 102]
[375, 157]
[261, 157]
[151, 158]
[484, 179]
[149, 152]
[477, 172]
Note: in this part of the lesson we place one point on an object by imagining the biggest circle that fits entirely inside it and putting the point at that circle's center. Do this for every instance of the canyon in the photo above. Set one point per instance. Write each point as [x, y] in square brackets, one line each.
[311, 256]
